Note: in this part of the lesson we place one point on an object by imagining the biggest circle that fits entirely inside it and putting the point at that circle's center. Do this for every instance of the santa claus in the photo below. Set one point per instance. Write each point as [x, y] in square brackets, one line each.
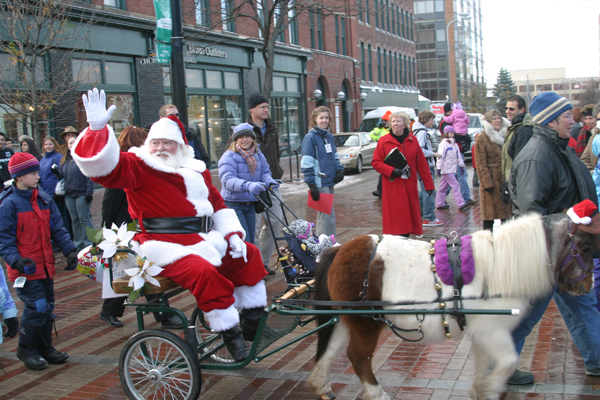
[172, 197]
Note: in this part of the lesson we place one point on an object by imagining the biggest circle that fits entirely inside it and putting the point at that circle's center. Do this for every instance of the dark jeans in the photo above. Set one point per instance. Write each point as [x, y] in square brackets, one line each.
[38, 297]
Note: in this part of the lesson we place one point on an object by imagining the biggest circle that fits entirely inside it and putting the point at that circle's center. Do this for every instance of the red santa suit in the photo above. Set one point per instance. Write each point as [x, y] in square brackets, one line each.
[199, 262]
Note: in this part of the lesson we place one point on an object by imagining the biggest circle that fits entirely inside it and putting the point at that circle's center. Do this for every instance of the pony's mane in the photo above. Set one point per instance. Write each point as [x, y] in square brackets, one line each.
[514, 260]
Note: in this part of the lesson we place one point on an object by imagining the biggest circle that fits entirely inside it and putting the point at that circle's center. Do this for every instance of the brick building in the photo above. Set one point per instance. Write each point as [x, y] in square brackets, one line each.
[364, 46]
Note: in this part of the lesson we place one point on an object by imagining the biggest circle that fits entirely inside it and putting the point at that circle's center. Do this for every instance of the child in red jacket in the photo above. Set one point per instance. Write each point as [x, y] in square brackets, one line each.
[28, 220]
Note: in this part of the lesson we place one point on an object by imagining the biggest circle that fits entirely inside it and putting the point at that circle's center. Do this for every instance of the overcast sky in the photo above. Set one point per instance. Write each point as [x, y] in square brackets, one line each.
[533, 34]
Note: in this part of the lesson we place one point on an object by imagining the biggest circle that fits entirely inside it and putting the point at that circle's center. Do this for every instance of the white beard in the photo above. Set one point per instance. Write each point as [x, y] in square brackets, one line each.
[172, 160]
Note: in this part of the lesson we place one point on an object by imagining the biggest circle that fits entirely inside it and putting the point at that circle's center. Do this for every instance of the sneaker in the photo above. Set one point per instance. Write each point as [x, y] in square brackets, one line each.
[471, 203]
[521, 378]
[444, 207]
[435, 222]
[270, 271]
[376, 193]
[593, 372]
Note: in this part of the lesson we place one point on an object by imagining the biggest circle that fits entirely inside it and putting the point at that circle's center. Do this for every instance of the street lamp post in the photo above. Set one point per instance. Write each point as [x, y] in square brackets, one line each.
[461, 16]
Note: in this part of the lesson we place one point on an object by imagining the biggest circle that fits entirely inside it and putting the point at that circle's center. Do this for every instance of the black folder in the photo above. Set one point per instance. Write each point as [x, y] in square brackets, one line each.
[396, 159]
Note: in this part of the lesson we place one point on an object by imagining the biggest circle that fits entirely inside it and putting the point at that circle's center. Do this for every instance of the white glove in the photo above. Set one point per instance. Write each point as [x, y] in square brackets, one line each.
[95, 108]
[238, 247]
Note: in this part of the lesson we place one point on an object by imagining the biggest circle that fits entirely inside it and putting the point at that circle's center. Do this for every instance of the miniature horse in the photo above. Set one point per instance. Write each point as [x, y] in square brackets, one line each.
[519, 263]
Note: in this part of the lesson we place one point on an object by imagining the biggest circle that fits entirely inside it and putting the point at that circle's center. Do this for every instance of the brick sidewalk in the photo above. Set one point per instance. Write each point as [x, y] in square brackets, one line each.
[406, 370]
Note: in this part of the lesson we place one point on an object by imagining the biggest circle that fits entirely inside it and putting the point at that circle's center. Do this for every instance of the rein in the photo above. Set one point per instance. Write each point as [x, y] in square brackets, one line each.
[575, 254]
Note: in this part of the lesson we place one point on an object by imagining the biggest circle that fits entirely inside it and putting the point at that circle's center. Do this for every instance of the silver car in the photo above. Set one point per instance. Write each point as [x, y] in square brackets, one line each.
[355, 149]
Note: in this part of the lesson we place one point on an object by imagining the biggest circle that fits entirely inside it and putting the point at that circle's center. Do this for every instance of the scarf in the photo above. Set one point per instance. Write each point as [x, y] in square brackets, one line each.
[582, 140]
[249, 157]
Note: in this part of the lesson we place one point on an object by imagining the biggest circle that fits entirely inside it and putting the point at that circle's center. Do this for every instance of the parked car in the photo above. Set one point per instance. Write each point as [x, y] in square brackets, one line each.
[371, 118]
[355, 149]
[295, 143]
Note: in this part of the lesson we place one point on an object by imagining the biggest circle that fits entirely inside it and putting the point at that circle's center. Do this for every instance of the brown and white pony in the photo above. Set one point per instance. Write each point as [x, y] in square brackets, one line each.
[519, 263]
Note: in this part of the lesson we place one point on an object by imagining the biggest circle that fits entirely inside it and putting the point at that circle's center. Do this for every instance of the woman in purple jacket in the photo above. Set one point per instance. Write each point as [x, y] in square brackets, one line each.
[244, 173]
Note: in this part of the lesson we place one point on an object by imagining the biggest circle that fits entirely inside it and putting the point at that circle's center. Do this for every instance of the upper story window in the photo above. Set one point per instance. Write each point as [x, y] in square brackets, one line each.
[13, 71]
[115, 3]
[94, 72]
[203, 12]
[293, 26]
[227, 15]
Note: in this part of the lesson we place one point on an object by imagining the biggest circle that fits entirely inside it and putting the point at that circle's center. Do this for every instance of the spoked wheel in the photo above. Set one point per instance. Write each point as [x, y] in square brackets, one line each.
[209, 340]
[157, 365]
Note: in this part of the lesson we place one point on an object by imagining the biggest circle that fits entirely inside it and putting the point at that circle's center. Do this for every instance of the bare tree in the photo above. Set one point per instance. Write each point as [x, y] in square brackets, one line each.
[273, 17]
[590, 93]
[34, 56]
[477, 100]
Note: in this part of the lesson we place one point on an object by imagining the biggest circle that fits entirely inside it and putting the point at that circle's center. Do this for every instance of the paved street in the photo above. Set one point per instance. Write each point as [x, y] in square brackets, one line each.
[406, 370]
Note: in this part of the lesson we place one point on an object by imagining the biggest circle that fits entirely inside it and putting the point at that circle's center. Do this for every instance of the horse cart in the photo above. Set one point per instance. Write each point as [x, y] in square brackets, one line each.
[157, 364]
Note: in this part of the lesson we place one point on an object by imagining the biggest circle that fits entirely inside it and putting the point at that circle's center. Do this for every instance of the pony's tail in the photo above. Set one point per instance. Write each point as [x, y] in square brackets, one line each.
[322, 293]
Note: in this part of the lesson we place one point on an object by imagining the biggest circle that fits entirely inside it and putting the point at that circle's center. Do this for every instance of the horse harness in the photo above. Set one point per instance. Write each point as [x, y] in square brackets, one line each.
[454, 247]
[575, 253]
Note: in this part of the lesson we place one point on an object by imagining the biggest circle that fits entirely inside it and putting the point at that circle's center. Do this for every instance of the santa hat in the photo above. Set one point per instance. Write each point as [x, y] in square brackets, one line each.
[386, 116]
[22, 164]
[588, 214]
[169, 128]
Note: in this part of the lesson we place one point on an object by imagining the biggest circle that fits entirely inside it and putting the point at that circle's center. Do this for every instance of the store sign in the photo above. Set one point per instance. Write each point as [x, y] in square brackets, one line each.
[163, 30]
[207, 51]
[148, 60]
[336, 112]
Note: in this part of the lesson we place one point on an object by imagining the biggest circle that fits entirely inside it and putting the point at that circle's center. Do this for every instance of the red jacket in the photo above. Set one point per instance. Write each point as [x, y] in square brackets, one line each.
[28, 220]
[401, 211]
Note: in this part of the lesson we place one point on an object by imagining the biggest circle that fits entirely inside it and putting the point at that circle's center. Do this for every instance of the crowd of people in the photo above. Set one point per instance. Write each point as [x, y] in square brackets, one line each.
[543, 160]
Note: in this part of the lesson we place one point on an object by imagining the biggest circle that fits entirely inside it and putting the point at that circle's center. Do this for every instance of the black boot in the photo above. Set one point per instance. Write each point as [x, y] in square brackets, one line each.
[249, 322]
[27, 350]
[235, 344]
[45, 348]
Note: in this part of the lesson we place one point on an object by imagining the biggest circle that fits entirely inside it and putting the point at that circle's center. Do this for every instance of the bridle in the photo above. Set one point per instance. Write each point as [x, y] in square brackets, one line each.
[575, 253]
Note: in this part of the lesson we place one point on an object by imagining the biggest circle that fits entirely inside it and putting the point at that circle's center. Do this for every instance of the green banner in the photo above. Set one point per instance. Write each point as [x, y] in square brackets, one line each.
[163, 30]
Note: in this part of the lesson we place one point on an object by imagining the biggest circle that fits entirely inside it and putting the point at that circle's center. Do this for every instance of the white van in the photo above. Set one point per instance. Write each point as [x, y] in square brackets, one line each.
[371, 118]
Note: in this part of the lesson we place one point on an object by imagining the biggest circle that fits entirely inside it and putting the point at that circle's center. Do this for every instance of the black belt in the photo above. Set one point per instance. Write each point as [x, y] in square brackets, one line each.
[176, 225]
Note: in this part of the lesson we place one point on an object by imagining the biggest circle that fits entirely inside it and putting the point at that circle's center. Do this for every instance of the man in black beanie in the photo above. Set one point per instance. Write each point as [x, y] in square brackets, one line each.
[267, 139]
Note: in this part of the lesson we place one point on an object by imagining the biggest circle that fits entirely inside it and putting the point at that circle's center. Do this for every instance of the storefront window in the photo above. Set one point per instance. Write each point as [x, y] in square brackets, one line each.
[214, 79]
[285, 115]
[193, 78]
[117, 73]
[86, 71]
[232, 80]
[121, 118]
[16, 124]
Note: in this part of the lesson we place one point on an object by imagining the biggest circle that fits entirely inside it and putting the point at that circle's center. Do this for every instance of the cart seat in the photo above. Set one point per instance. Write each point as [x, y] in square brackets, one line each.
[121, 285]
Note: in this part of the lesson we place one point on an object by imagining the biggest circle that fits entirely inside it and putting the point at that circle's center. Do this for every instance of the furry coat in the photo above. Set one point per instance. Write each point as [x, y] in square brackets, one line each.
[488, 156]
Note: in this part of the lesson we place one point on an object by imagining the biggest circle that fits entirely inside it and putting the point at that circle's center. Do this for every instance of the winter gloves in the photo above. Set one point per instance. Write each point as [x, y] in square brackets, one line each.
[238, 247]
[13, 326]
[24, 265]
[396, 173]
[71, 260]
[339, 176]
[505, 194]
[438, 172]
[89, 198]
[256, 187]
[314, 193]
[462, 170]
[95, 108]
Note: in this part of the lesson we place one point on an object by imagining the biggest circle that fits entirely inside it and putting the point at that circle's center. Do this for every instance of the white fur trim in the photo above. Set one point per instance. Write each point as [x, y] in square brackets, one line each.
[574, 217]
[250, 296]
[217, 241]
[167, 129]
[226, 222]
[221, 320]
[165, 253]
[586, 220]
[102, 163]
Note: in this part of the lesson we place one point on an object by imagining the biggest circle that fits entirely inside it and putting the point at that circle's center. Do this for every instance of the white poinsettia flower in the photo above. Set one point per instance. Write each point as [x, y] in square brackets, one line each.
[139, 276]
[112, 240]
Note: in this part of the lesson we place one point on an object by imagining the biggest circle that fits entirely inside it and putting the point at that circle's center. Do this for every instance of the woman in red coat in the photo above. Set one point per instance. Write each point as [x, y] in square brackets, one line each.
[401, 211]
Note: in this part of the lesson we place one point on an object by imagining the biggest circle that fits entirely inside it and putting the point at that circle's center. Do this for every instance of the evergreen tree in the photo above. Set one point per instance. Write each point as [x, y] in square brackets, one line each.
[503, 89]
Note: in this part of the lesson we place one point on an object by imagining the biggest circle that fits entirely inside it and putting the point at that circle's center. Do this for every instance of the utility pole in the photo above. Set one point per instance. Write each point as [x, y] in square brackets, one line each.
[178, 88]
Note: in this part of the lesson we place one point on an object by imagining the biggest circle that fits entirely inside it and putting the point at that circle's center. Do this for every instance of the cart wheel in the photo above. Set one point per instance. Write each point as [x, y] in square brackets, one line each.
[208, 340]
[156, 364]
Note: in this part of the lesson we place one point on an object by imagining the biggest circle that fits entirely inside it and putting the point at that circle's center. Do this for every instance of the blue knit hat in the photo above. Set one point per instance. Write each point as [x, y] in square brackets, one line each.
[243, 129]
[449, 128]
[547, 106]
[21, 164]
